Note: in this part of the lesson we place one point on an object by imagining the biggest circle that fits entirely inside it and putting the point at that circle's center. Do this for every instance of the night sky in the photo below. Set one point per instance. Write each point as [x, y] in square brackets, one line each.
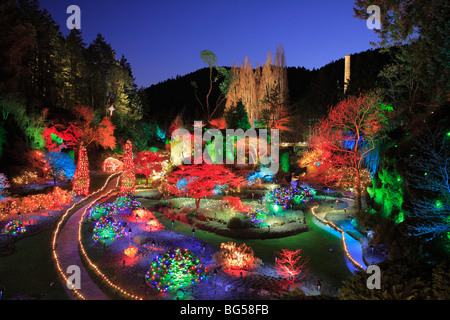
[163, 39]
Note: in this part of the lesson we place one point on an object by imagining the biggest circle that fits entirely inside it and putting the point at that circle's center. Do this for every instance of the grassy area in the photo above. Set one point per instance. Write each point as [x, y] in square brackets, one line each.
[327, 265]
[30, 269]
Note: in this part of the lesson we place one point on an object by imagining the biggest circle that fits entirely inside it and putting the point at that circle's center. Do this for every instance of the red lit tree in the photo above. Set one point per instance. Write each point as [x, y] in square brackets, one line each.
[59, 137]
[146, 162]
[101, 134]
[346, 136]
[291, 264]
[128, 176]
[81, 178]
[104, 135]
[198, 181]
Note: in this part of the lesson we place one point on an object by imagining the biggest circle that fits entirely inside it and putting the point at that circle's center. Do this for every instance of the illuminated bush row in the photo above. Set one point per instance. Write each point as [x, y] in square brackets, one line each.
[124, 204]
[281, 197]
[45, 201]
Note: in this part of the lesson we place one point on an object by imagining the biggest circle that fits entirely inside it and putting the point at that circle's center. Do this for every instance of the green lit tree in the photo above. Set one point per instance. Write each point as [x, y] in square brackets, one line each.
[237, 118]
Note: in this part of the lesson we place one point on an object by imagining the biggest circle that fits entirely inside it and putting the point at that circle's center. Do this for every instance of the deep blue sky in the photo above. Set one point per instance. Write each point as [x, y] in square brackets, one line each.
[162, 39]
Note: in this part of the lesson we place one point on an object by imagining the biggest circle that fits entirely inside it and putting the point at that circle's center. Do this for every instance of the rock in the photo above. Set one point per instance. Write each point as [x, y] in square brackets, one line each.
[140, 240]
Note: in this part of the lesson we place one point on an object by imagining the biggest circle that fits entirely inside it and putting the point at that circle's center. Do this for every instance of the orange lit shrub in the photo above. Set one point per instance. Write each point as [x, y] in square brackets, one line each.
[233, 257]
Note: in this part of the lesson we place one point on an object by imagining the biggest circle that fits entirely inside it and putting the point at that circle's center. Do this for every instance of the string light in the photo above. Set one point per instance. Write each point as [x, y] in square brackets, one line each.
[45, 201]
[344, 244]
[176, 269]
[112, 165]
[57, 230]
[93, 266]
[128, 176]
[14, 227]
[107, 229]
[81, 179]
[282, 196]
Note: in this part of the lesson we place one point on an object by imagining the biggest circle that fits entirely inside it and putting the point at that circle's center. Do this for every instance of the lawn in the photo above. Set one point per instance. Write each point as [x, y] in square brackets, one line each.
[30, 270]
[328, 265]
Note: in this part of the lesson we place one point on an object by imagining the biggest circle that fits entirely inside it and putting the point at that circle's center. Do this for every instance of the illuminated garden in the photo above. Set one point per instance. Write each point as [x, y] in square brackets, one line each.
[245, 182]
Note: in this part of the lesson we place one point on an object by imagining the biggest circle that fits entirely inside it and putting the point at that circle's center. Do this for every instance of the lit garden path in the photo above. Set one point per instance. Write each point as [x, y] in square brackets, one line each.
[354, 247]
[68, 254]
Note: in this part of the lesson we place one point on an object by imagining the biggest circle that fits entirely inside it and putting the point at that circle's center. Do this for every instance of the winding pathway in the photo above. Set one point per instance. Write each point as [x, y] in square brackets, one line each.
[352, 246]
[66, 250]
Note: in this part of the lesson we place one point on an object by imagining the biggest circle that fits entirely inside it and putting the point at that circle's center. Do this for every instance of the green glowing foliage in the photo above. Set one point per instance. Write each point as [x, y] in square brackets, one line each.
[389, 196]
[284, 161]
[237, 117]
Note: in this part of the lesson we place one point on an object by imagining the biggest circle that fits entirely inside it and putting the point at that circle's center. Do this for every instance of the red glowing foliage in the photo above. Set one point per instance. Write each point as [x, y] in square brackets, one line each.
[201, 180]
[146, 162]
[37, 161]
[218, 123]
[104, 135]
[291, 264]
[345, 136]
[235, 203]
[59, 137]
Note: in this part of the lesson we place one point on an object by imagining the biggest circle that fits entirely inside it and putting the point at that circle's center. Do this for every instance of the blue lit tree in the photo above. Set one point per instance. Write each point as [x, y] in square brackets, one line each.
[429, 175]
[61, 164]
[4, 184]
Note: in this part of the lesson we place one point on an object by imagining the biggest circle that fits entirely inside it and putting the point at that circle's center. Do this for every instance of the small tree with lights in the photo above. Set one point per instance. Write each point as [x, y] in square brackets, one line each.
[146, 162]
[234, 257]
[128, 176]
[291, 264]
[201, 180]
[81, 179]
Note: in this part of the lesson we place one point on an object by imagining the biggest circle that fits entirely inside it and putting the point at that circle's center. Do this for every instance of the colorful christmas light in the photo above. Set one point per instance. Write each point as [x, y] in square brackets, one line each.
[107, 229]
[102, 210]
[282, 196]
[177, 268]
[258, 215]
[14, 227]
[127, 204]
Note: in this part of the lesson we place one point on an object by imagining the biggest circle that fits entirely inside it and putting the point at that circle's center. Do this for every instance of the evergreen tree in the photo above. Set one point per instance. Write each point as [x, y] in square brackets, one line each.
[128, 178]
[237, 118]
[81, 178]
[100, 59]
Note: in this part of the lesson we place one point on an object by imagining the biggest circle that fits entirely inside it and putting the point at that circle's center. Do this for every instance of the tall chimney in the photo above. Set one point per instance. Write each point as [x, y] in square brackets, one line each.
[346, 72]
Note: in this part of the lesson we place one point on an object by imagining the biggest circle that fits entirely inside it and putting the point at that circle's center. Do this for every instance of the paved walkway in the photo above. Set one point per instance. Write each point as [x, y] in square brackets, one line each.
[354, 247]
[68, 254]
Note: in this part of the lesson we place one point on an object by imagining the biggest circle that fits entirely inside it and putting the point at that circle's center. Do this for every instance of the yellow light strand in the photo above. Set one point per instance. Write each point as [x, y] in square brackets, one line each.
[344, 244]
[90, 263]
[55, 235]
